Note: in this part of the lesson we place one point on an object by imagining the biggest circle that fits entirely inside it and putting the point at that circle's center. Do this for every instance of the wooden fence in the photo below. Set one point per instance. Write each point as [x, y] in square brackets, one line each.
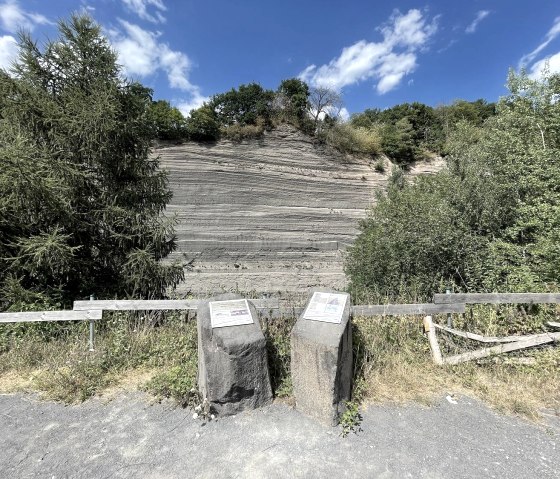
[449, 303]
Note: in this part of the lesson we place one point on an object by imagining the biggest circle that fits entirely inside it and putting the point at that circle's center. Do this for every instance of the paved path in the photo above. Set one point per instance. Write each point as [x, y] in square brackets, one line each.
[128, 437]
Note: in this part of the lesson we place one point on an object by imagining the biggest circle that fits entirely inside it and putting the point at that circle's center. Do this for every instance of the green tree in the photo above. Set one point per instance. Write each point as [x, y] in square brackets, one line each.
[292, 100]
[243, 106]
[168, 122]
[202, 124]
[82, 199]
[491, 221]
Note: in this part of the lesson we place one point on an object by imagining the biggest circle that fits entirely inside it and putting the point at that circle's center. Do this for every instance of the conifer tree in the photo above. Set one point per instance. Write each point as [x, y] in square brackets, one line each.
[82, 202]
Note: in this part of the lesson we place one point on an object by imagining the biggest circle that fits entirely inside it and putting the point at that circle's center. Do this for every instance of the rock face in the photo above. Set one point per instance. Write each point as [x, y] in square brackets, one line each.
[267, 215]
[232, 363]
[321, 366]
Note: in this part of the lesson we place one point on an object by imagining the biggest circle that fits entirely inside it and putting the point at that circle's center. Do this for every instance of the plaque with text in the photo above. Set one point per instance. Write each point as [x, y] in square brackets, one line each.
[326, 307]
[233, 312]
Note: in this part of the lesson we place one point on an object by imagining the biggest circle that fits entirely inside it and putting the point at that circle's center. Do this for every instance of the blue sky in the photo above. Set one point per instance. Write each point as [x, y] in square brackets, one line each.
[377, 54]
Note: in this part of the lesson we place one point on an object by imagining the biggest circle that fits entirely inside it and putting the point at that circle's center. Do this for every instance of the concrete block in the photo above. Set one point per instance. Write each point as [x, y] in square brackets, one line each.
[232, 362]
[321, 364]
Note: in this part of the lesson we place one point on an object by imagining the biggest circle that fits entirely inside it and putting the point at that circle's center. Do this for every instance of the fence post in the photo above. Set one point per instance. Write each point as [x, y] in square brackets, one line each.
[430, 330]
[449, 317]
[91, 329]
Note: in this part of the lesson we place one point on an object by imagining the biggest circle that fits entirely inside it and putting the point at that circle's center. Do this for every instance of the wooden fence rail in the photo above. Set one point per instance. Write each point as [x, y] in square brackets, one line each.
[497, 298]
[158, 304]
[34, 316]
[404, 309]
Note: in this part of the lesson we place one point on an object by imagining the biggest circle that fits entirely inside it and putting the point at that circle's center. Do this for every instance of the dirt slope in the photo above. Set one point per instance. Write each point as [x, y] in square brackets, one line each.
[269, 215]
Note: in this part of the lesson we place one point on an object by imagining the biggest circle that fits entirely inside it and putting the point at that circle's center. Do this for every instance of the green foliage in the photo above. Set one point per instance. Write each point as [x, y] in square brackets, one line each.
[277, 335]
[243, 106]
[178, 383]
[351, 418]
[356, 140]
[490, 222]
[80, 196]
[292, 100]
[238, 133]
[202, 124]
[167, 121]
[406, 129]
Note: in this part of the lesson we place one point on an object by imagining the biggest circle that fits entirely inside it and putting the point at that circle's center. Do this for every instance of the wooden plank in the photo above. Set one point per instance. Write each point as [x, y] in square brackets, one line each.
[403, 309]
[502, 348]
[485, 339]
[159, 304]
[283, 312]
[432, 338]
[497, 298]
[34, 316]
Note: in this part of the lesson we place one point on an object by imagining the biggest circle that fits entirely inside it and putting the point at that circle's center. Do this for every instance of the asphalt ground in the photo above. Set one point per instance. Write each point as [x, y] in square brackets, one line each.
[130, 436]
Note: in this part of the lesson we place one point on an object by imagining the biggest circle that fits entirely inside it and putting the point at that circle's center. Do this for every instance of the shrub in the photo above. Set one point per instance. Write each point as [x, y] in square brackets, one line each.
[238, 132]
[355, 140]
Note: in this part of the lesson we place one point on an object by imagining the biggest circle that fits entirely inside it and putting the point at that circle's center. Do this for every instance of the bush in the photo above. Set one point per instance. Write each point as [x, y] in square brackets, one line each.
[238, 132]
[355, 140]
[202, 124]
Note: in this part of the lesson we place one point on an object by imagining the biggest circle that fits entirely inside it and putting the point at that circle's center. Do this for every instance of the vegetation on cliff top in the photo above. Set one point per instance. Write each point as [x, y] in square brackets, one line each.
[405, 133]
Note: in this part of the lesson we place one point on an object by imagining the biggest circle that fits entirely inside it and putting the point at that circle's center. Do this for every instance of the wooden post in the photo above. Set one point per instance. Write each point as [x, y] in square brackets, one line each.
[434, 346]
[449, 317]
[91, 329]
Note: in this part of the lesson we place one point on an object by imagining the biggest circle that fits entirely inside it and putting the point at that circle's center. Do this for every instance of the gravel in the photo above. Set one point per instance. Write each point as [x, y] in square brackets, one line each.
[131, 437]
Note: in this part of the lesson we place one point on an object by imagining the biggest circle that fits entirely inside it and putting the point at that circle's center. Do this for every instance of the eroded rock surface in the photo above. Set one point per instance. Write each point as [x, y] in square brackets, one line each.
[269, 215]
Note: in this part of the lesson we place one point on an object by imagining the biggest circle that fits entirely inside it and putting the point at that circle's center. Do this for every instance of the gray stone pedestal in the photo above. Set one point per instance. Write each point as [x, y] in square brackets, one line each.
[322, 365]
[232, 363]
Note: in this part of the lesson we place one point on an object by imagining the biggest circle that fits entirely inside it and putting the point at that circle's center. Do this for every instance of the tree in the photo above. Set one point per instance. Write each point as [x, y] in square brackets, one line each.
[202, 124]
[82, 200]
[490, 222]
[167, 121]
[293, 96]
[322, 102]
[243, 106]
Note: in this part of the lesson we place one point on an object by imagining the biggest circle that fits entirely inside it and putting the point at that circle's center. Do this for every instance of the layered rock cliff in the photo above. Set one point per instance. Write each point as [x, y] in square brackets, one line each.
[269, 215]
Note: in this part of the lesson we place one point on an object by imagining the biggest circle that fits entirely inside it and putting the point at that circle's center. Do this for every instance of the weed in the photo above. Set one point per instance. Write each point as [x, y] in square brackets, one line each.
[277, 335]
[350, 419]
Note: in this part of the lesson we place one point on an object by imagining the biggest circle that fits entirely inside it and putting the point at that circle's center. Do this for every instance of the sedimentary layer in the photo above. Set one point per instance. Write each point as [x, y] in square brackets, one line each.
[272, 215]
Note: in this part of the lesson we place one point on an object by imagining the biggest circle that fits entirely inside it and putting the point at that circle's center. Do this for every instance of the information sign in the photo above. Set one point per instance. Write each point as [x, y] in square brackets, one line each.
[327, 307]
[233, 312]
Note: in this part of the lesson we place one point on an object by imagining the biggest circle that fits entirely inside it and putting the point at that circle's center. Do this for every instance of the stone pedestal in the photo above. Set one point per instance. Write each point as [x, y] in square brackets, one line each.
[232, 363]
[322, 365]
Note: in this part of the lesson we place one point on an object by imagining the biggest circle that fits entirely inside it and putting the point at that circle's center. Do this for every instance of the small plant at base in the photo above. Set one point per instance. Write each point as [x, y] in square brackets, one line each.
[203, 411]
[350, 419]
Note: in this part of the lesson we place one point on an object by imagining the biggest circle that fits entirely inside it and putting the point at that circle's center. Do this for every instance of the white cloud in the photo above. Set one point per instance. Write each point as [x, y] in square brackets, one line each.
[12, 17]
[196, 101]
[550, 36]
[140, 8]
[8, 51]
[550, 64]
[387, 61]
[481, 15]
[142, 54]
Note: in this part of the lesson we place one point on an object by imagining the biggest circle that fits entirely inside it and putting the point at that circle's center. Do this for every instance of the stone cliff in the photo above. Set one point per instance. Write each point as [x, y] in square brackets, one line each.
[268, 215]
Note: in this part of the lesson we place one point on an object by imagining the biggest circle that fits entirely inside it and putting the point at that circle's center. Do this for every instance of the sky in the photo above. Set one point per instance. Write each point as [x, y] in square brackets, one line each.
[375, 53]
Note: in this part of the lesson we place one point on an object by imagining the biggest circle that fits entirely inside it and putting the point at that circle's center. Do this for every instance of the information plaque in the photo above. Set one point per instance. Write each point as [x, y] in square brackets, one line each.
[234, 312]
[327, 307]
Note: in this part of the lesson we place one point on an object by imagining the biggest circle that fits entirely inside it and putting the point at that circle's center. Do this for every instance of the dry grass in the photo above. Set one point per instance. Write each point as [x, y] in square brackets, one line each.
[393, 361]
[394, 365]
[130, 351]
